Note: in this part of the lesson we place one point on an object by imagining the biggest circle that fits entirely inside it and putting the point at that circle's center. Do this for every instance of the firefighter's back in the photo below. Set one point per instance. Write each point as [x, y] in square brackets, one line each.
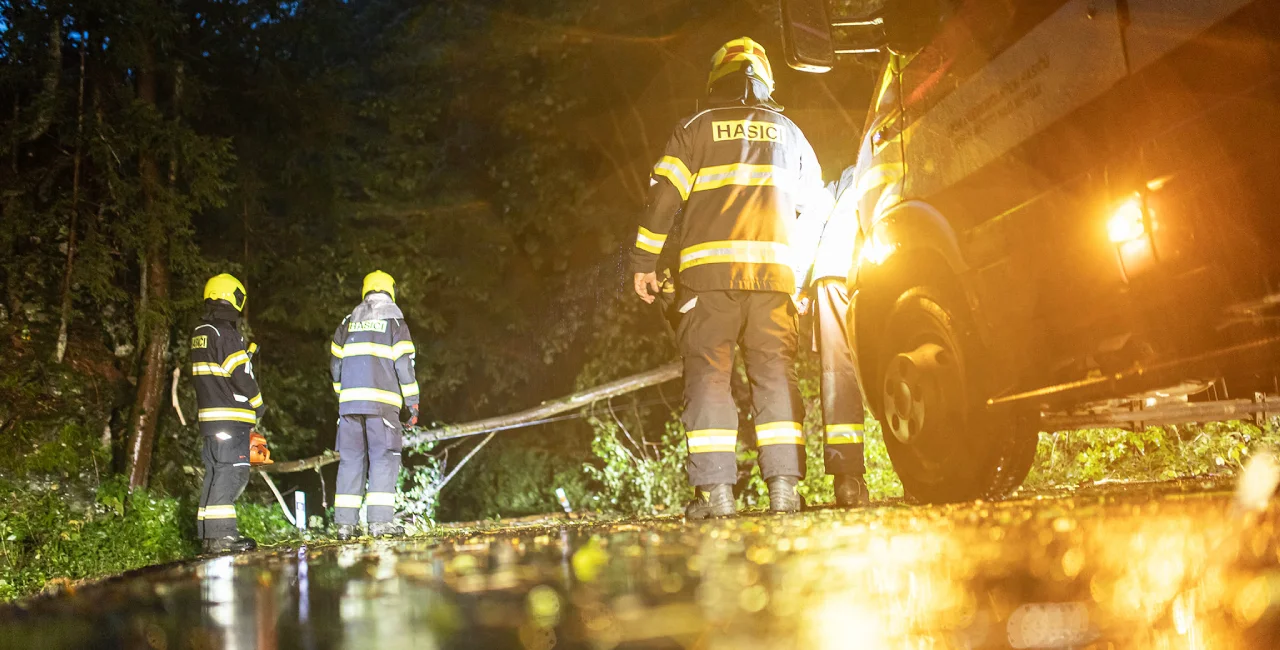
[217, 349]
[743, 182]
[368, 378]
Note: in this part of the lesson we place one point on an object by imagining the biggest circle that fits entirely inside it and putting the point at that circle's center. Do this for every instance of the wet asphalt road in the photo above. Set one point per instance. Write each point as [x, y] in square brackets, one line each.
[1153, 566]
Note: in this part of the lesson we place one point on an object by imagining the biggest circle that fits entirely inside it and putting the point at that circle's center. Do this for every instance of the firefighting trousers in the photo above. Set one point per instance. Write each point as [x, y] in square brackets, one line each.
[374, 442]
[842, 410]
[226, 473]
[763, 324]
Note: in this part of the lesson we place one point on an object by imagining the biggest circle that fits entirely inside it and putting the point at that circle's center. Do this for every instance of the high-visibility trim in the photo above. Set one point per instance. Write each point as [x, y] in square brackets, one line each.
[710, 178]
[649, 241]
[235, 360]
[227, 415]
[704, 441]
[220, 512]
[347, 500]
[674, 170]
[779, 433]
[370, 395]
[409, 390]
[337, 387]
[335, 349]
[744, 252]
[380, 498]
[256, 400]
[404, 347]
[207, 369]
[200, 514]
[844, 434]
[371, 350]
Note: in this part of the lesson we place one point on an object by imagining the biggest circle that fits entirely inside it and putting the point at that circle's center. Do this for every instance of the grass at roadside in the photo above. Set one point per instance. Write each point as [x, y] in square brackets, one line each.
[50, 536]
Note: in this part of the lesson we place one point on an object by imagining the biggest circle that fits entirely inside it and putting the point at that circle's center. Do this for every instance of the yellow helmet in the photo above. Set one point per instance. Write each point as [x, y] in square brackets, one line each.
[379, 281]
[739, 54]
[225, 286]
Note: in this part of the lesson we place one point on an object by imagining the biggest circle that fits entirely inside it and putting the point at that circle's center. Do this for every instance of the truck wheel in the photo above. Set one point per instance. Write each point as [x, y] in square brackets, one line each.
[1015, 461]
[945, 445]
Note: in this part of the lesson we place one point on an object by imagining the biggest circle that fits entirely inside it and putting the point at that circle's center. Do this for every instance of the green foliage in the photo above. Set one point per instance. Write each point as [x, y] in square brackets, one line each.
[1077, 457]
[265, 523]
[512, 480]
[46, 536]
[51, 417]
[49, 537]
[638, 477]
[632, 483]
[417, 494]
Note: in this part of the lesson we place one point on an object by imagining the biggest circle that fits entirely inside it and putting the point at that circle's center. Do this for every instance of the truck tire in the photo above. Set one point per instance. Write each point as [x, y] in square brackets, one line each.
[1015, 462]
[945, 444]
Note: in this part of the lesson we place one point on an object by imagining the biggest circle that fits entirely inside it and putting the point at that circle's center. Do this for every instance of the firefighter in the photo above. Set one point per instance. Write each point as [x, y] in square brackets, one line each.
[230, 405]
[741, 172]
[842, 409]
[371, 362]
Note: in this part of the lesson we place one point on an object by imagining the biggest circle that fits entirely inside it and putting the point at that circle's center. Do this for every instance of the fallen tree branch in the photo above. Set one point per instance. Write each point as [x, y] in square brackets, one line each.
[659, 375]
[328, 457]
[419, 437]
[287, 515]
[445, 481]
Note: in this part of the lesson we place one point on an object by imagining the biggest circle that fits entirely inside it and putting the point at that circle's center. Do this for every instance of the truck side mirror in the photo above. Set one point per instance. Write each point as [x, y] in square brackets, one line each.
[806, 35]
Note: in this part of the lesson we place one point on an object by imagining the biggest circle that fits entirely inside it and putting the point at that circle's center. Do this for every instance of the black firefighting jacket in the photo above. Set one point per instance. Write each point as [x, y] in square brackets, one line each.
[226, 391]
[371, 360]
[742, 174]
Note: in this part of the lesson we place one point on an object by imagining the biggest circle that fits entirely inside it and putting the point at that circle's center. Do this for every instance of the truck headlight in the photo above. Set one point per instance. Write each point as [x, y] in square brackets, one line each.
[1128, 222]
[874, 251]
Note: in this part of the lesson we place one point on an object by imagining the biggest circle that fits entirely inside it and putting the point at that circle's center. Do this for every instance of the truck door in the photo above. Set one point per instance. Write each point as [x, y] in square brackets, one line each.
[880, 166]
[1005, 138]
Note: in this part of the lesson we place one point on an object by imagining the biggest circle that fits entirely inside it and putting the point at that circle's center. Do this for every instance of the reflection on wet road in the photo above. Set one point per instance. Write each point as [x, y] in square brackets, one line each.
[1164, 566]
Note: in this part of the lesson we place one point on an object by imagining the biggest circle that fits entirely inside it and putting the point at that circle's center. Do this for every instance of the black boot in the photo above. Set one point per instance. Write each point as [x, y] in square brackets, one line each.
[851, 491]
[386, 529]
[347, 532]
[712, 501]
[219, 545]
[783, 496]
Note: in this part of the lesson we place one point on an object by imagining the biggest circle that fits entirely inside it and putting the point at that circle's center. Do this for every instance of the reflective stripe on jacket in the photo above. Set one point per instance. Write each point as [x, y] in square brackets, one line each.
[372, 367]
[742, 174]
[226, 390]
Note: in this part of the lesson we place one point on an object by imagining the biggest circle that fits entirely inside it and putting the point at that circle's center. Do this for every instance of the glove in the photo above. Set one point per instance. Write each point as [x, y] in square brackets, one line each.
[258, 452]
[413, 416]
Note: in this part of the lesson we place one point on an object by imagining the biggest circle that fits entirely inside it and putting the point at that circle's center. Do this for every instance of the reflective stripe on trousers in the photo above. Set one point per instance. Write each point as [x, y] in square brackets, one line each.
[226, 473]
[377, 441]
[842, 408]
[707, 335]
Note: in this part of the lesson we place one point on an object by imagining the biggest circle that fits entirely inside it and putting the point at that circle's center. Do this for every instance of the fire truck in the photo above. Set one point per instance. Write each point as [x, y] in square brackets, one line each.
[1069, 220]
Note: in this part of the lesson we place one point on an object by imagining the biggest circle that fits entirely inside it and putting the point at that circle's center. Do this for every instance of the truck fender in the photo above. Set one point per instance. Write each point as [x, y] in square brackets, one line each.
[910, 244]
[909, 227]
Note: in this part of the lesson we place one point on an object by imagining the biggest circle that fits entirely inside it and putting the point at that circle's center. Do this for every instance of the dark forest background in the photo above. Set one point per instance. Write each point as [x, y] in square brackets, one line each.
[491, 155]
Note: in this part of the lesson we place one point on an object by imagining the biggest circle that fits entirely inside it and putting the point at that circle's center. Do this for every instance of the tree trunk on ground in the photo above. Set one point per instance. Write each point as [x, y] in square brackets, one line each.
[60, 351]
[527, 417]
[659, 375]
[155, 321]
